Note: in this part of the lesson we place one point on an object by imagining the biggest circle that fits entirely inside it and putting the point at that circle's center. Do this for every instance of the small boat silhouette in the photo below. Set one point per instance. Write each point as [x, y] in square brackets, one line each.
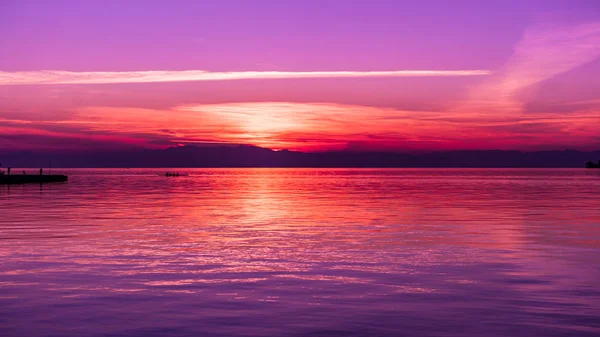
[175, 174]
[591, 164]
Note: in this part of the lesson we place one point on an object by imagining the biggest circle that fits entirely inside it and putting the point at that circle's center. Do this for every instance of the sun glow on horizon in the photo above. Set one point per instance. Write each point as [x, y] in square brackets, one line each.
[315, 127]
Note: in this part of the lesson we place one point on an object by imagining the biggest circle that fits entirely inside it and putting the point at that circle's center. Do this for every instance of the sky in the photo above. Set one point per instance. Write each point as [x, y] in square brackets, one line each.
[311, 75]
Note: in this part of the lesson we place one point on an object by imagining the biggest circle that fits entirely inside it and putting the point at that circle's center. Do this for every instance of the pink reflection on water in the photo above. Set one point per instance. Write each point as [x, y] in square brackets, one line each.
[460, 245]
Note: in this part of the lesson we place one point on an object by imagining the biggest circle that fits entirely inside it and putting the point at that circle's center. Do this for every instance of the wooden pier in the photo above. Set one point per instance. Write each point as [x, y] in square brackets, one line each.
[31, 178]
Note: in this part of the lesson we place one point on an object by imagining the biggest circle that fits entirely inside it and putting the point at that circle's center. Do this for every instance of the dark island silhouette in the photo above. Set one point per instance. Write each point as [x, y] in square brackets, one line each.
[252, 156]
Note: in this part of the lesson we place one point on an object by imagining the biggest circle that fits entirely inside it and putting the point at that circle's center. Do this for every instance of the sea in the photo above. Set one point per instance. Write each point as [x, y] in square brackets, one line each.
[302, 252]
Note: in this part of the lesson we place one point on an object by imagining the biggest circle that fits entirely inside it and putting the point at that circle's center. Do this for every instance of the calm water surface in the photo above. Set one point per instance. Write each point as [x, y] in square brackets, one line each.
[294, 252]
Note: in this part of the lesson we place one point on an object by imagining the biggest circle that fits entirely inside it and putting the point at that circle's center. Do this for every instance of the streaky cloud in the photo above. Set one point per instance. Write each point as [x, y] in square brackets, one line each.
[69, 77]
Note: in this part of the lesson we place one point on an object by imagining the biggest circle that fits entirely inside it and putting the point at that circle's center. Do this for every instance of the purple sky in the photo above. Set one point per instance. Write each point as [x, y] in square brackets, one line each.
[540, 89]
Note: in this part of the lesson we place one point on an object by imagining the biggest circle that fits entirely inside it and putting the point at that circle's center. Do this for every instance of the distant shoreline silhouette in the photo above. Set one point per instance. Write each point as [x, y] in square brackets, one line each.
[252, 156]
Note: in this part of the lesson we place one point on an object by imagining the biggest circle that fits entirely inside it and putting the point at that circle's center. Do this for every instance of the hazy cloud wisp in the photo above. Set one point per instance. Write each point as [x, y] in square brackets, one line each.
[546, 49]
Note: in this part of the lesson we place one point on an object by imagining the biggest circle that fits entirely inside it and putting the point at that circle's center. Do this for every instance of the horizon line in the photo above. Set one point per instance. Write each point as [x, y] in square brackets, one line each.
[225, 145]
